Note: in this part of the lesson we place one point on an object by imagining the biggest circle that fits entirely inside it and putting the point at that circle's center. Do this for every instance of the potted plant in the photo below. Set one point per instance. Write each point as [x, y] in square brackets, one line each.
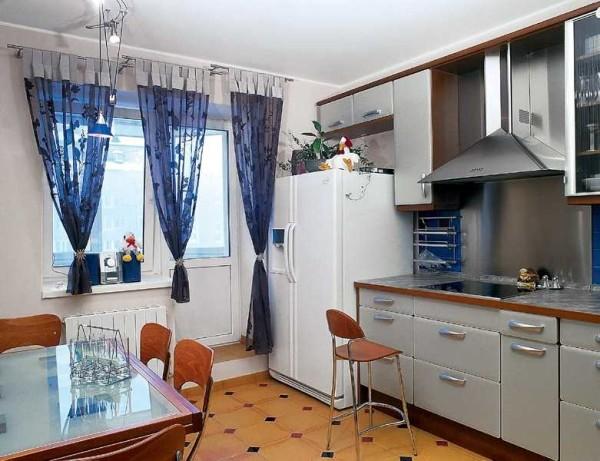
[308, 155]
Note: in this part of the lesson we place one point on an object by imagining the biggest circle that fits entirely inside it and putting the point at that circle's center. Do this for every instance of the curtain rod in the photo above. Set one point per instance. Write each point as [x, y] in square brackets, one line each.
[215, 69]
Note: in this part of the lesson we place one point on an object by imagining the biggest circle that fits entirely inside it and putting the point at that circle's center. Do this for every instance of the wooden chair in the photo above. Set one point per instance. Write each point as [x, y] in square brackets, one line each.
[357, 350]
[155, 341]
[193, 364]
[166, 445]
[37, 330]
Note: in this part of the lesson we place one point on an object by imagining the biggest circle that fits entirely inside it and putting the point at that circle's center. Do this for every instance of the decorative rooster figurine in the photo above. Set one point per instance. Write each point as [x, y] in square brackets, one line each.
[345, 159]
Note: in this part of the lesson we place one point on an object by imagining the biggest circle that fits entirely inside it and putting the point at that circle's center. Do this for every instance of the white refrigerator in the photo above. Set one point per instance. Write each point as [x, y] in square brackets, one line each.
[329, 229]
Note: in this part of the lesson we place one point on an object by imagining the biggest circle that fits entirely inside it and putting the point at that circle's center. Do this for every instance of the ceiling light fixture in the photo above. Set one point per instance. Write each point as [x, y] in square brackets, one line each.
[110, 30]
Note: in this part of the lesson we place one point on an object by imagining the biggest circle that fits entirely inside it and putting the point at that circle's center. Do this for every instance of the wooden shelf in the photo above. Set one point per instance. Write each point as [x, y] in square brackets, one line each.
[584, 199]
[378, 125]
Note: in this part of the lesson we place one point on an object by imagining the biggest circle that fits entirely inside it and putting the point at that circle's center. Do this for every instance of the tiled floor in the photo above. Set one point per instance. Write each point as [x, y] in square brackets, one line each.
[270, 421]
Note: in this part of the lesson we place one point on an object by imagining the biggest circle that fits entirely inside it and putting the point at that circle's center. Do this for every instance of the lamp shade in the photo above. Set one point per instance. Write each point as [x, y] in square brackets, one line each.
[100, 129]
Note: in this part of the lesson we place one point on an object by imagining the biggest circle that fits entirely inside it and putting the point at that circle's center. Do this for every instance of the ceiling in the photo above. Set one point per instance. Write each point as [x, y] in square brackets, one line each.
[330, 41]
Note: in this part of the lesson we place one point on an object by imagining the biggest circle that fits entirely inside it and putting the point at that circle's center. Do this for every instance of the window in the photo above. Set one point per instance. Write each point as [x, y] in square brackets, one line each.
[121, 207]
[210, 234]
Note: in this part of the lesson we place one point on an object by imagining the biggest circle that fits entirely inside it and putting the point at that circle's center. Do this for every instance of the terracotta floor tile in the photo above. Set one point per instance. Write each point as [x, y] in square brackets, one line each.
[276, 443]
[262, 434]
[240, 418]
[291, 449]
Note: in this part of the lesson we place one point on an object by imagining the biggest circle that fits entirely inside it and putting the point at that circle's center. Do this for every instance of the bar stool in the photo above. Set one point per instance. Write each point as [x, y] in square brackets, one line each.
[358, 349]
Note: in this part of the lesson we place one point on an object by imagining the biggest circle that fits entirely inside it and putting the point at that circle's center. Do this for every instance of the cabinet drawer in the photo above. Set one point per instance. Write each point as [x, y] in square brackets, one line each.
[373, 103]
[487, 319]
[458, 347]
[530, 395]
[580, 377]
[385, 377]
[388, 328]
[467, 399]
[579, 433]
[336, 114]
[530, 326]
[579, 334]
[387, 301]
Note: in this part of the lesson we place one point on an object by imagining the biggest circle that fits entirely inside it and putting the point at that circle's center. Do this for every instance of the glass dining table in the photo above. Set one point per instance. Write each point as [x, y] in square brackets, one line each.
[44, 416]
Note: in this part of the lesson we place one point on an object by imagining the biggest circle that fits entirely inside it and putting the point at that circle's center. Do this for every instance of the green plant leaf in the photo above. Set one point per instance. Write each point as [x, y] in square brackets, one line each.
[317, 126]
[316, 145]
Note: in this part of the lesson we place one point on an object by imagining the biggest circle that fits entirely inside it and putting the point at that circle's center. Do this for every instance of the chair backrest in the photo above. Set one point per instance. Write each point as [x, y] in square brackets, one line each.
[166, 445]
[36, 330]
[155, 341]
[342, 325]
[193, 364]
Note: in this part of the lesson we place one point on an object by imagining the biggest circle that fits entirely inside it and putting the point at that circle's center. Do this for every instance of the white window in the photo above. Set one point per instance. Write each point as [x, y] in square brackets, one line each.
[210, 234]
[122, 203]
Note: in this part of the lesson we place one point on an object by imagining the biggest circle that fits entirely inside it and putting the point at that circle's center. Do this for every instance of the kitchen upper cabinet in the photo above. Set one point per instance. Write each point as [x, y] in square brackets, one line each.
[337, 114]
[373, 103]
[412, 135]
[530, 398]
[582, 79]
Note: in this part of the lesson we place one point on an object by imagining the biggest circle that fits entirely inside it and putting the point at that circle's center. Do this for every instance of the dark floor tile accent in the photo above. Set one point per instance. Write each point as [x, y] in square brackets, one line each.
[229, 430]
[187, 444]
[306, 408]
[441, 443]
[283, 396]
[296, 435]
[406, 458]
[263, 385]
[253, 449]
[336, 423]
[327, 454]
[367, 439]
[193, 402]
[211, 415]
[368, 410]
[270, 419]
[229, 393]
[248, 405]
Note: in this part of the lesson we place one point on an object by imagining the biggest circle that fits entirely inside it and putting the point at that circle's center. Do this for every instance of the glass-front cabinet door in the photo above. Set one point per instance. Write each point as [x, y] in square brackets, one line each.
[582, 56]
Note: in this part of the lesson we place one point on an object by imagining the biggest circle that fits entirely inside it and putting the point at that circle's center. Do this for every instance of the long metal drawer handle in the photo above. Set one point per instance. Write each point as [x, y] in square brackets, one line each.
[383, 317]
[372, 112]
[452, 379]
[382, 300]
[458, 335]
[528, 350]
[337, 123]
[597, 338]
[598, 423]
[598, 364]
[514, 325]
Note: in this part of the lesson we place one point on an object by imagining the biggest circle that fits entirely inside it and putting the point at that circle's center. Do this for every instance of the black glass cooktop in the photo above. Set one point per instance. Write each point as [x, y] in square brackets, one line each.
[477, 288]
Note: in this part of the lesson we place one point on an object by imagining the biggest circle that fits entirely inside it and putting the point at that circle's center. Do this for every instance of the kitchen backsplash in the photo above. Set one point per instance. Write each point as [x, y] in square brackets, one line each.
[596, 244]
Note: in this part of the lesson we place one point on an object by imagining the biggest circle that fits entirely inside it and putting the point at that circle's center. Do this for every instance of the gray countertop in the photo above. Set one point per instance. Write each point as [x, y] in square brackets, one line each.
[569, 299]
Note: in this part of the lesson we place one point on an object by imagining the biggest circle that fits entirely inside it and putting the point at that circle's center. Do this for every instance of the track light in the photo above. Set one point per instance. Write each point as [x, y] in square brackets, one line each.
[114, 37]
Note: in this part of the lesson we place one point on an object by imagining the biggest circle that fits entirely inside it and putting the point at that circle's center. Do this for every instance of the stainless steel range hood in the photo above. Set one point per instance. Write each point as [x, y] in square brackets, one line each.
[535, 145]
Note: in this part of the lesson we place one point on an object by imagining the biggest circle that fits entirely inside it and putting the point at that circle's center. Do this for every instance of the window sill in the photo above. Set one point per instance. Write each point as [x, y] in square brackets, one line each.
[151, 282]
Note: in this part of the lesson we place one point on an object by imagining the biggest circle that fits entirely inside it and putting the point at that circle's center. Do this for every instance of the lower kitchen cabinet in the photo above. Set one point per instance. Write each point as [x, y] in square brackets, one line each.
[579, 433]
[580, 377]
[386, 379]
[529, 372]
[467, 399]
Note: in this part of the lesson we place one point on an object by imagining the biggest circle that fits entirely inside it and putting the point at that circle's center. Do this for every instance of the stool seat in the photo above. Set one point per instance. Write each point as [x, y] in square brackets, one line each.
[363, 350]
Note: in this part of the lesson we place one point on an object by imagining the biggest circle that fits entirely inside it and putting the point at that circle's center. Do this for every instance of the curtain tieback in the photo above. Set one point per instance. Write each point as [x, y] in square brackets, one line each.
[80, 255]
[179, 262]
[260, 257]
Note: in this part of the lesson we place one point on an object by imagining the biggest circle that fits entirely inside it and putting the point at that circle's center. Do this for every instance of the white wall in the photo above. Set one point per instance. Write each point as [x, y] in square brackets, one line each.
[22, 188]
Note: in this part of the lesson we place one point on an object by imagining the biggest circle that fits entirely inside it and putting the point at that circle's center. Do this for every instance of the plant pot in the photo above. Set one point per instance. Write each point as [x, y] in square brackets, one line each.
[312, 165]
[132, 270]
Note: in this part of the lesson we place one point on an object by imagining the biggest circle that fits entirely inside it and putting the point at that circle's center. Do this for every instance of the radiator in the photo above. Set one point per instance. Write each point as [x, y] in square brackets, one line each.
[129, 322]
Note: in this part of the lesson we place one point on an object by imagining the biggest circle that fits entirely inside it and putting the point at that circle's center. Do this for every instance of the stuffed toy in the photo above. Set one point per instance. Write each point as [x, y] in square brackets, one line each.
[130, 246]
[345, 159]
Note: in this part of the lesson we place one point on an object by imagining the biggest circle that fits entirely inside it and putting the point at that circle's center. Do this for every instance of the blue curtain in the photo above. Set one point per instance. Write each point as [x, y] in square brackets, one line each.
[256, 123]
[174, 123]
[61, 113]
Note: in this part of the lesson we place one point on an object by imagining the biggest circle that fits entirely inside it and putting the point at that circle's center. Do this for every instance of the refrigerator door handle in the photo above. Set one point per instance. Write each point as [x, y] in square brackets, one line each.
[286, 251]
[292, 252]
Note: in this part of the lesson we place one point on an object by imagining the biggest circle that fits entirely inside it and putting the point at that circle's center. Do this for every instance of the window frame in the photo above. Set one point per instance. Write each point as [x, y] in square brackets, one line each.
[151, 228]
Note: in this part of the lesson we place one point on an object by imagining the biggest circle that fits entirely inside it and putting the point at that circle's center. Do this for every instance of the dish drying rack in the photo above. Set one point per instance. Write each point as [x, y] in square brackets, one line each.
[437, 241]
